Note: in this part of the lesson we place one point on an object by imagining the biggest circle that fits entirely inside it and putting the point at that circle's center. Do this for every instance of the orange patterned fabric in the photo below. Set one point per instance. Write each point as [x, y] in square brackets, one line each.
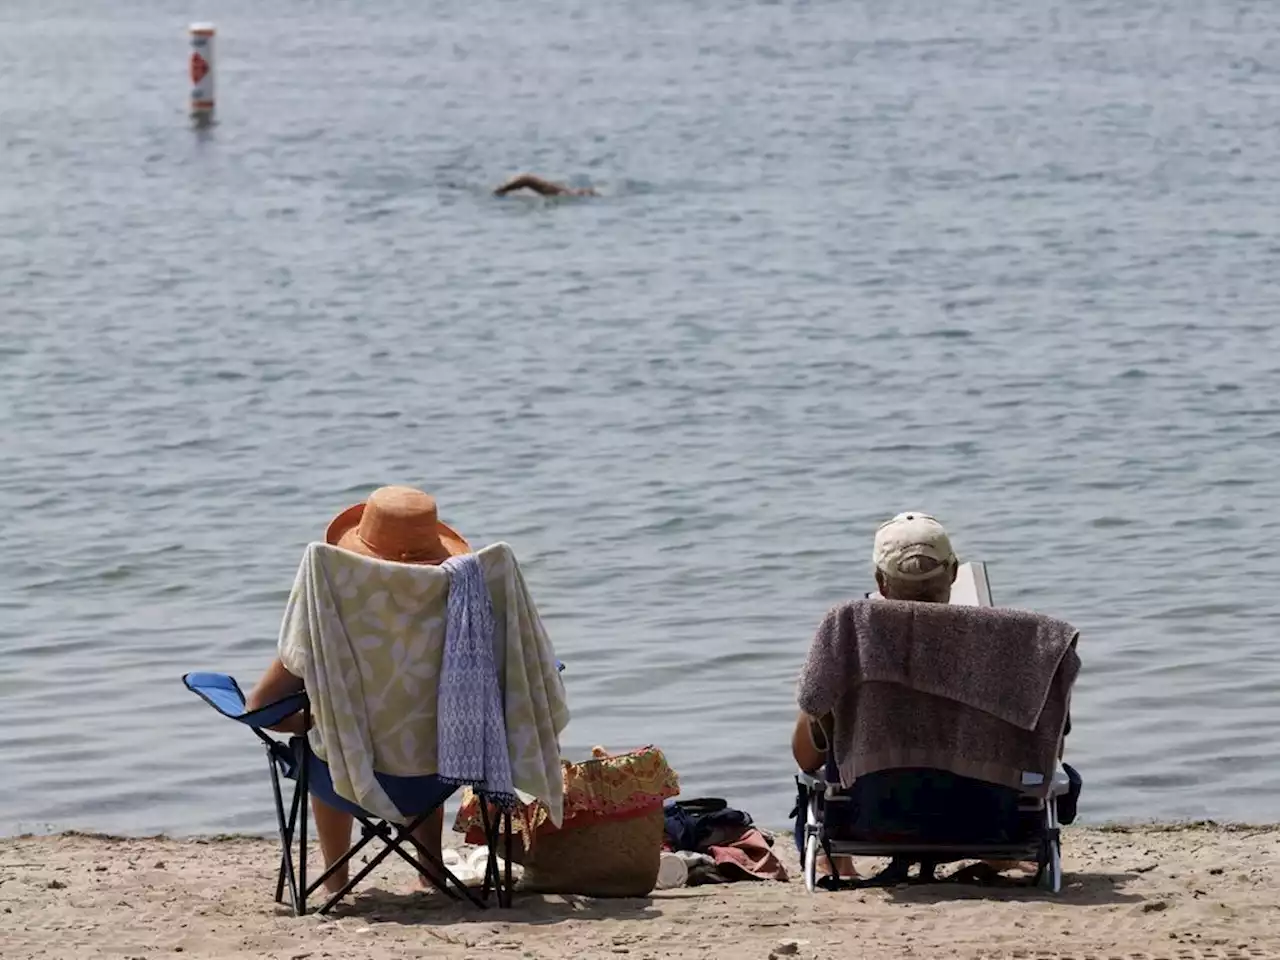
[603, 788]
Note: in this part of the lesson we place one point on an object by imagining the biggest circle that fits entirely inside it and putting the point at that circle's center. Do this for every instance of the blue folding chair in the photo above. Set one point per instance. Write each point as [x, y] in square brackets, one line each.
[416, 797]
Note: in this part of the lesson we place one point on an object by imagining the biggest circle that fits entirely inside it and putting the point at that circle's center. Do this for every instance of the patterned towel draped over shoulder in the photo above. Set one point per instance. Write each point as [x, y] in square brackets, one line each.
[981, 691]
[367, 637]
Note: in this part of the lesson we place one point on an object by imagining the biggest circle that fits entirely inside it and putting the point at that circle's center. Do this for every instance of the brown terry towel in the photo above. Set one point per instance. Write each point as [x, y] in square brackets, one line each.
[980, 691]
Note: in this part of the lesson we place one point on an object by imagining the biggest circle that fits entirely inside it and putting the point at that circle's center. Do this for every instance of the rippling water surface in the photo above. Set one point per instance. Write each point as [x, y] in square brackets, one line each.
[1011, 262]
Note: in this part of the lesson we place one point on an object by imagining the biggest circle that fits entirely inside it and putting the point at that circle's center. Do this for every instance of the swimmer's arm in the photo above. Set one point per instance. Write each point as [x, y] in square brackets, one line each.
[527, 181]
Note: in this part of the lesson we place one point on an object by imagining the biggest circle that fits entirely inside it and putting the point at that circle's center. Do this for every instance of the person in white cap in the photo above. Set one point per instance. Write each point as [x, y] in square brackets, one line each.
[914, 560]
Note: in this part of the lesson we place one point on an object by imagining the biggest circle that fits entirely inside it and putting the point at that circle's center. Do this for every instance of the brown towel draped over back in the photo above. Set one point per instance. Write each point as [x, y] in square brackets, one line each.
[980, 691]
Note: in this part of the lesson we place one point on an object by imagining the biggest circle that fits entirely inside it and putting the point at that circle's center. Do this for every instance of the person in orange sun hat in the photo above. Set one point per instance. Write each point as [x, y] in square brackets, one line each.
[400, 524]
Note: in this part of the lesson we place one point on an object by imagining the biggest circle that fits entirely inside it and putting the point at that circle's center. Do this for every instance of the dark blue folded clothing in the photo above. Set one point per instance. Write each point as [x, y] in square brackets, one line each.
[692, 824]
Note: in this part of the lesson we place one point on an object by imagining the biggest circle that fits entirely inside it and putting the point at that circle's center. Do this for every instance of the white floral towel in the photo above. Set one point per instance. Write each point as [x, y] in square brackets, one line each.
[367, 637]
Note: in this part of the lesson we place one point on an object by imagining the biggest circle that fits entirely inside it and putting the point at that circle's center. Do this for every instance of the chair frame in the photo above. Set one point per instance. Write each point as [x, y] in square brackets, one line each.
[395, 838]
[292, 760]
[1045, 849]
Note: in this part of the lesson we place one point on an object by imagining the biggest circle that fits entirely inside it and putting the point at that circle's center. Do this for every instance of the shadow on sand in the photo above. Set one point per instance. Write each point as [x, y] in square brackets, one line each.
[1078, 890]
[385, 906]
[414, 908]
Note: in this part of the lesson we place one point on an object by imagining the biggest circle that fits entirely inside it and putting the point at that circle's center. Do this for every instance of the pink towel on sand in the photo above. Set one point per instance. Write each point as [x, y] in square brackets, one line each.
[745, 856]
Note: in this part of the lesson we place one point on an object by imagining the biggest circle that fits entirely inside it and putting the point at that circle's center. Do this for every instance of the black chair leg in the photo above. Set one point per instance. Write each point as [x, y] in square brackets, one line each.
[304, 789]
[433, 866]
[1042, 863]
[285, 828]
[293, 872]
[495, 830]
[510, 890]
[434, 869]
[286, 857]
[368, 834]
[491, 879]
[394, 837]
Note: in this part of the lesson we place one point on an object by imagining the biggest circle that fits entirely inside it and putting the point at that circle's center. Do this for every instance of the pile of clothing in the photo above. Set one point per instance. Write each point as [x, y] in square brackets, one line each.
[719, 844]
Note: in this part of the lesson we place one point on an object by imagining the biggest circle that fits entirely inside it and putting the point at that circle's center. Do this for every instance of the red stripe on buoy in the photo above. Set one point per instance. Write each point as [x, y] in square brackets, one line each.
[199, 68]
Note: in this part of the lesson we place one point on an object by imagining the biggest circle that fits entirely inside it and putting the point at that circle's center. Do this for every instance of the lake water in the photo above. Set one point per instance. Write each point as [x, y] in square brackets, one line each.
[1010, 262]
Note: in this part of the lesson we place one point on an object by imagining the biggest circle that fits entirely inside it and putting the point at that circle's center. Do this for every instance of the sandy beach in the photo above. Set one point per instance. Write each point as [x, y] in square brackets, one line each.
[1177, 892]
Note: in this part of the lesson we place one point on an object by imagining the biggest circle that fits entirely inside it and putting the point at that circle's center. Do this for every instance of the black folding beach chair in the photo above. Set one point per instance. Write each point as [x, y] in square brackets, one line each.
[928, 817]
[416, 797]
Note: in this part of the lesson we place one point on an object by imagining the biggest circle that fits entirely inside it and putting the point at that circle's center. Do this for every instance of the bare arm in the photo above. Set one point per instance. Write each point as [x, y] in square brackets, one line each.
[276, 684]
[527, 181]
[809, 743]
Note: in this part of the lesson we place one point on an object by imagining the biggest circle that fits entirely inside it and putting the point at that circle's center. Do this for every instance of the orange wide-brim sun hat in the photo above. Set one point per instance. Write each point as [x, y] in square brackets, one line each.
[399, 524]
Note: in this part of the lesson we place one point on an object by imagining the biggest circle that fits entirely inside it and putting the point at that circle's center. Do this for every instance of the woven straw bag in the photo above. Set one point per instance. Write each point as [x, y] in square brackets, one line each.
[610, 842]
[605, 858]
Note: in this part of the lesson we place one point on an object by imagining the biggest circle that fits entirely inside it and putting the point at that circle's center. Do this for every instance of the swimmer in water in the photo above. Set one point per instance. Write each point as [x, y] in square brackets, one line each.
[545, 188]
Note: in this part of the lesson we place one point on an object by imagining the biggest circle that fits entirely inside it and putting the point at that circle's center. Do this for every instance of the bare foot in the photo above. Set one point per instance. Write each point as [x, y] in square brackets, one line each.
[847, 870]
[426, 884]
[1002, 866]
[428, 837]
[337, 881]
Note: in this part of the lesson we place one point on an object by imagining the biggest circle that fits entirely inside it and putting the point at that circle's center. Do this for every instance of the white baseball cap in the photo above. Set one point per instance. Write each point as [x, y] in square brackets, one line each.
[910, 535]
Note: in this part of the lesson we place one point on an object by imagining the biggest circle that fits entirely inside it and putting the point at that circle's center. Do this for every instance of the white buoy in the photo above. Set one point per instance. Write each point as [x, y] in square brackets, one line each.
[202, 72]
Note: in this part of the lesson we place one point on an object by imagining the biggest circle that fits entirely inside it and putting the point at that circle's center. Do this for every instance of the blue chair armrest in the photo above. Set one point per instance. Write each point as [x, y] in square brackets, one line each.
[222, 693]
